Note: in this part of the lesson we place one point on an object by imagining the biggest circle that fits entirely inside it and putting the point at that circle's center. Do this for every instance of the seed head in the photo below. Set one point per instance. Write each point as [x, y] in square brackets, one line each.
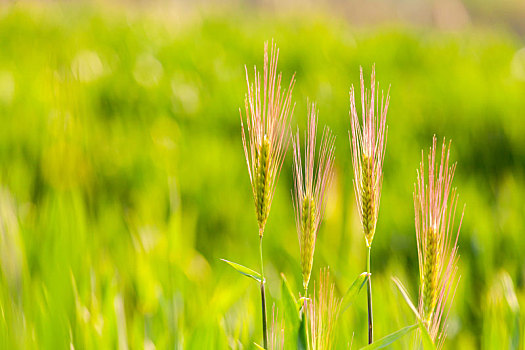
[435, 205]
[310, 188]
[268, 115]
[367, 143]
[323, 312]
[430, 277]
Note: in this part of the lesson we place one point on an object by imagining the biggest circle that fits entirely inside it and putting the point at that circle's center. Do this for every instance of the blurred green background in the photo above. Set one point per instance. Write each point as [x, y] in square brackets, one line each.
[123, 179]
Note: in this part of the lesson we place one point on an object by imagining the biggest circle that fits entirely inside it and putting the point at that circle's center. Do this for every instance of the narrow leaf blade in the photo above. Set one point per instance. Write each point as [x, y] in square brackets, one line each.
[290, 305]
[302, 343]
[428, 344]
[244, 270]
[389, 339]
[405, 295]
[425, 336]
[354, 290]
[291, 314]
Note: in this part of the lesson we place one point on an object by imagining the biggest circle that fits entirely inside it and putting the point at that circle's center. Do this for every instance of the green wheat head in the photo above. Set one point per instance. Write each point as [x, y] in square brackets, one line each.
[430, 275]
[368, 201]
[368, 142]
[262, 186]
[311, 183]
[268, 111]
[435, 203]
[308, 237]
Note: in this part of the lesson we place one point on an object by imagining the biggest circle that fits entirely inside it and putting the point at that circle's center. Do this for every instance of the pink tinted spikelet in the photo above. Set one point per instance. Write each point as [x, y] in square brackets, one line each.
[276, 341]
[435, 206]
[323, 313]
[367, 143]
[265, 141]
[309, 195]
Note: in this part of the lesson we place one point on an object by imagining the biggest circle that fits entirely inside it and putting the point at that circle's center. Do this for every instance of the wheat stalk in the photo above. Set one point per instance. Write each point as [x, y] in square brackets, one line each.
[435, 206]
[309, 195]
[367, 143]
[268, 117]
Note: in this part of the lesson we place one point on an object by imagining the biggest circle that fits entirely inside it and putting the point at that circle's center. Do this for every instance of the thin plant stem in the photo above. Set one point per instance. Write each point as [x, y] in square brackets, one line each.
[305, 308]
[263, 297]
[369, 297]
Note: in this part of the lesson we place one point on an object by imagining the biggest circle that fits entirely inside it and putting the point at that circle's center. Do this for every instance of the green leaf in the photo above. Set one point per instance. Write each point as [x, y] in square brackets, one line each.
[354, 290]
[291, 308]
[405, 295]
[258, 346]
[389, 339]
[513, 312]
[425, 336]
[244, 270]
[292, 318]
[302, 343]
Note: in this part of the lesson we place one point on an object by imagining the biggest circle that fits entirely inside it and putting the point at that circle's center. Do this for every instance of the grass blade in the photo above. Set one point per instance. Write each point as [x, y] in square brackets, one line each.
[290, 305]
[389, 339]
[428, 344]
[302, 343]
[354, 290]
[513, 310]
[292, 317]
[405, 295]
[244, 270]
[426, 338]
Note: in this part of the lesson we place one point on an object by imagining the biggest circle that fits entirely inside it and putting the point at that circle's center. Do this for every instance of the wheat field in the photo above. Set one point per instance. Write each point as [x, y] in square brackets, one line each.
[123, 179]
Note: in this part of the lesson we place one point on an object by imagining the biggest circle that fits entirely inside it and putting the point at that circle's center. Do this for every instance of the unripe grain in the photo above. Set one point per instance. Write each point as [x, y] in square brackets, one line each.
[308, 237]
[430, 279]
[262, 192]
[310, 189]
[368, 142]
[435, 203]
[367, 196]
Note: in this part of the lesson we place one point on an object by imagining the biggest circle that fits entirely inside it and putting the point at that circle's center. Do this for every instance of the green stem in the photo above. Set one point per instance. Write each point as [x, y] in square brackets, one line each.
[263, 296]
[369, 297]
[306, 325]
